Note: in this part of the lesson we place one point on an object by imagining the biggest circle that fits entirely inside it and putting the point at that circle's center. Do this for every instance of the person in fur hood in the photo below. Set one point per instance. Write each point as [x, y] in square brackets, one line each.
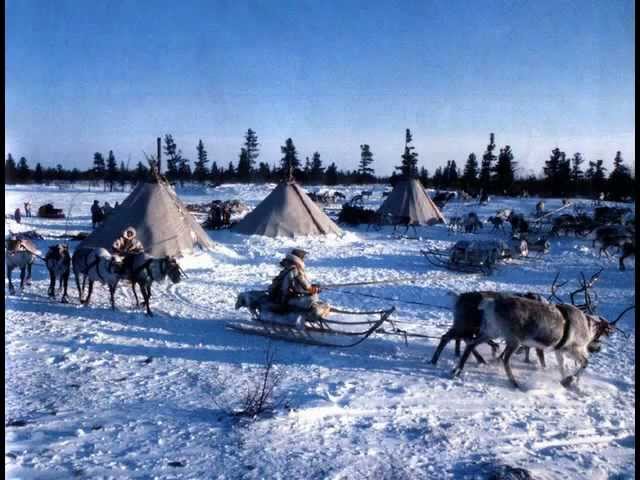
[292, 287]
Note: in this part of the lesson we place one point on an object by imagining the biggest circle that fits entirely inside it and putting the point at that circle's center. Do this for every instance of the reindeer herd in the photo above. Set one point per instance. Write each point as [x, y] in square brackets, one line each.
[91, 265]
[609, 225]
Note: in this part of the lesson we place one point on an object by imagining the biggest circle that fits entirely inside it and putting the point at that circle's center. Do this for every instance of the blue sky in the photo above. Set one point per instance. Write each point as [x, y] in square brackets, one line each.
[113, 75]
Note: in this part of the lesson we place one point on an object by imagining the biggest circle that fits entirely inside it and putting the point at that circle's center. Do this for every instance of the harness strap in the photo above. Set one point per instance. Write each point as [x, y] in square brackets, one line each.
[565, 335]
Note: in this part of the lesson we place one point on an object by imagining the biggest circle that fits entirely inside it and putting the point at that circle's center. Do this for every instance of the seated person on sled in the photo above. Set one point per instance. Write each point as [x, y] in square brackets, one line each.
[291, 292]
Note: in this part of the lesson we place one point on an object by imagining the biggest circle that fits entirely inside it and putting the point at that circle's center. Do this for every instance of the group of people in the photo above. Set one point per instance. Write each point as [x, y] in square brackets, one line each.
[219, 215]
[99, 213]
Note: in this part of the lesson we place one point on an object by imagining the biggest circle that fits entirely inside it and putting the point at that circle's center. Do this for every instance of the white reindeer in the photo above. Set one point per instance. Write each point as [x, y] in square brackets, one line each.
[97, 265]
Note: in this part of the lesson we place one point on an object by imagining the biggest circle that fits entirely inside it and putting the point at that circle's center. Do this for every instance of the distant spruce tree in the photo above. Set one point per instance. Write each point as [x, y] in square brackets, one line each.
[576, 171]
[577, 175]
[438, 177]
[596, 176]
[141, 173]
[214, 173]
[452, 175]
[244, 166]
[38, 174]
[200, 171]
[112, 170]
[424, 177]
[231, 173]
[74, 175]
[173, 158]
[486, 167]
[289, 159]
[620, 182]
[505, 170]
[365, 172]
[23, 173]
[10, 170]
[123, 175]
[184, 170]
[317, 170]
[99, 170]
[253, 152]
[557, 171]
[331, 175]
[60, 173]
[264, 172]
[306, 170]
[470, 173]
[409, 165]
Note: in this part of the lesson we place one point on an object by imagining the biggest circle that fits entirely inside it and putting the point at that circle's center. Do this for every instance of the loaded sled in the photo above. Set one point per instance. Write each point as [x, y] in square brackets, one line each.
[474, 256]
[49, 211]
[306, 326]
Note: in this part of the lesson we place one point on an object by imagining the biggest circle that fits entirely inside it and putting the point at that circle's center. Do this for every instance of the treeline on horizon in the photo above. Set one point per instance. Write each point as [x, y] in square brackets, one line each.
[562, 175]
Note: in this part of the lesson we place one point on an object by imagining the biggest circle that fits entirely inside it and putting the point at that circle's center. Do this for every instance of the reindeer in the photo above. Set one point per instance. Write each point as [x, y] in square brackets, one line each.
[612, 236]
[143, 269]
[406, 222]
[610, 214]
[58, 262]
[534, 333]
[339, 196]
[497, 222]
[97, 265]
[471, 223]
[467, 319]
[628, 249]
[20, 254]
[454, 224]
[521, 321]
[518, 223]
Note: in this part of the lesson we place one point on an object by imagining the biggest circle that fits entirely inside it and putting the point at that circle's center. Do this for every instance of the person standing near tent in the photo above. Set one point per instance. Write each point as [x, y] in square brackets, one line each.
[96, 214]
[226, 215]
[27, 209]
[17, 215]
[107, 209]
[292, 288]
[127, 243]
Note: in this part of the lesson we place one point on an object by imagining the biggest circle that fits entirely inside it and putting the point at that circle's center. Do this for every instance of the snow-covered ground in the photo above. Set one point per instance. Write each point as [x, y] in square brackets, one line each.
[94, 393]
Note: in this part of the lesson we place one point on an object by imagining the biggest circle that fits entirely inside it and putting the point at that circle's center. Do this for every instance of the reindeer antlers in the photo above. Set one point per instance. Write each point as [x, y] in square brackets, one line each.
[584, 287]
[621, 314]
[555, 287]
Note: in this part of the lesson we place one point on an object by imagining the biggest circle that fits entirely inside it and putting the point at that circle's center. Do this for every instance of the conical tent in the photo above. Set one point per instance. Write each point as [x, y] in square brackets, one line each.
[409, 199]
[287, 212]
[162, 222]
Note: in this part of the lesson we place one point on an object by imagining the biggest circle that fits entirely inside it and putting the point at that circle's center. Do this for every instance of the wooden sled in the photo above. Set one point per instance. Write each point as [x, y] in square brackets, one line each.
[296, 327]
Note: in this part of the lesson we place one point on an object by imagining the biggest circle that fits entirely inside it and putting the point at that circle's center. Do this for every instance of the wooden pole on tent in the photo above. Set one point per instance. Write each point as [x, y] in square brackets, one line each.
[159, 152]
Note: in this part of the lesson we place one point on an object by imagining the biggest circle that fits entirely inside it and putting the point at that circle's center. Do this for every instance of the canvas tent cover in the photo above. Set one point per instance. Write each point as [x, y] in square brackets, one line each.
[287, 212]
[162, 222]
[409, 199]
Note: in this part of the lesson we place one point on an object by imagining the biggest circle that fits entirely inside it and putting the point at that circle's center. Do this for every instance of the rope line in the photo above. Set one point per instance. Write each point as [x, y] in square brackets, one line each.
[412, 302]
